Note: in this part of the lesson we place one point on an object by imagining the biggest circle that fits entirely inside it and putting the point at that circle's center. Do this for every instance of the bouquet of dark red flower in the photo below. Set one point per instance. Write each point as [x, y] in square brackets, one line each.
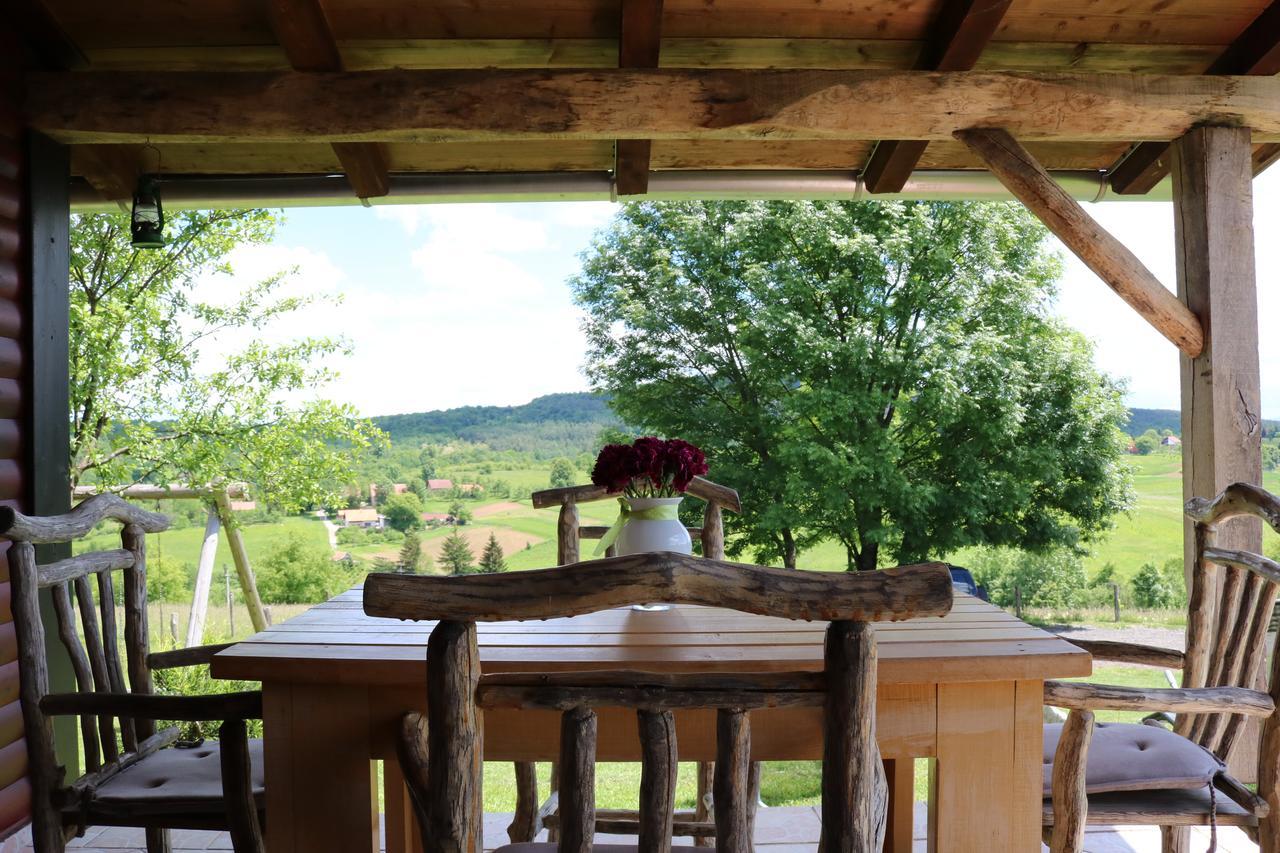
[649, 468]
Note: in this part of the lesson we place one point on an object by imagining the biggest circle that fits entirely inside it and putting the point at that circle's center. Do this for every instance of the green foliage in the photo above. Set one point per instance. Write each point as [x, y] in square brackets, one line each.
[297, 573]
[196, 681]
[1053, 579]
[562, 473]
[459, 511]
[403, 512]
[492, 559]
[1159, 587]
[411, 554]
[167, 580]
[143, 405]
[1148, 442]
[455, 554]
[884, 374]
[352, 535]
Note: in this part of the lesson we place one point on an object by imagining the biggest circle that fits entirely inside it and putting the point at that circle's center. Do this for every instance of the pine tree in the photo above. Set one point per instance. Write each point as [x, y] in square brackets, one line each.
[492, 560]
[456, 554]
[411, 554]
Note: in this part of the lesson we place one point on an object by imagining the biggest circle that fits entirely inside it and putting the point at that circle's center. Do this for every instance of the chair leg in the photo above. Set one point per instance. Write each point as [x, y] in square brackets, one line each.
[237, 787]
[702, 811]
[524, 825]
[158, 841]
[1175, 839]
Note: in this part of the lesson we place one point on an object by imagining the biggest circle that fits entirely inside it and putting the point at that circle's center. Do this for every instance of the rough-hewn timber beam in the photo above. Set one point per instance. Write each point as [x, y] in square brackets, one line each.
[49, 45]
[112, 170]
[303, 30]
[1100, 251]
[960, 33]
[291, 106]
[1255, 52]
[639, 41]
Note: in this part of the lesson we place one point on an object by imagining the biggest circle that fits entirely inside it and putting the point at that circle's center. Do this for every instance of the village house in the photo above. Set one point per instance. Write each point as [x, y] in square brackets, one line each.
[365, 516]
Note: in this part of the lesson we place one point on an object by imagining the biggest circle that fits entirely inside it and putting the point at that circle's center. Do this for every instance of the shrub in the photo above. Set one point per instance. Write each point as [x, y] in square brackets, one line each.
[196, 681]
[1159, 588]
[167, 580]
[352, 535]
[297, 573]
[1053, 579]
[403, 512]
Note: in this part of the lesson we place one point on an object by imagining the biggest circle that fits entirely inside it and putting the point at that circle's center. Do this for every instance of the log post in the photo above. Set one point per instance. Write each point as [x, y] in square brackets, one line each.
[239, 554]
[204, 580]
[454, 809]
[713, 532]
[854, 788]
[702, 811]
[1221, 416]
[567, 542]
[524, 823]
[657, 780]
[577, 780]
[733, 782]
[137, 641]
[1070, 803]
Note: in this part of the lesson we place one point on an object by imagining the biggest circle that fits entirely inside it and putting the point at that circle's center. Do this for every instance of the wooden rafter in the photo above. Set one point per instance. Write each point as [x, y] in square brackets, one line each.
[639, 42]
[302, 28]
[1255, 52]
[1100, 251]
[52, 48]
[291, 106]
[959, 35]
[112, 170]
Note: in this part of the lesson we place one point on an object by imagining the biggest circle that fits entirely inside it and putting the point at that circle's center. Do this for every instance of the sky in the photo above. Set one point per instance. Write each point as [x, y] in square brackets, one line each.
[468, 304]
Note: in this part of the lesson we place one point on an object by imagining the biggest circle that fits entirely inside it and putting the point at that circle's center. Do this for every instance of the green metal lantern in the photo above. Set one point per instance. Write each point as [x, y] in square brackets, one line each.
[147, 220]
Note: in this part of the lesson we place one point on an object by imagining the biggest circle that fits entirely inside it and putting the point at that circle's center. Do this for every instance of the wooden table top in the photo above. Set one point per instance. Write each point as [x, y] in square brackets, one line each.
[336, 642]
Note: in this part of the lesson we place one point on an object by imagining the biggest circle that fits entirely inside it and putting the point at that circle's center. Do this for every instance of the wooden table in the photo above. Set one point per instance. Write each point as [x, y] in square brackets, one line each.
[965, 690]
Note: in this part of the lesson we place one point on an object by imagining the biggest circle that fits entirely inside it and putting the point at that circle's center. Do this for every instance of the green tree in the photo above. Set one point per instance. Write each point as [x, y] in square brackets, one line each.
[1147, 443]
[1158, 588]
[403, 512]
[150, 401]
[411, 554]
[460, 513]
[298, 573]
[883, 373]
[1054, 578]
[562, 473]
[492, 559]
[456, 554]
[167, 580]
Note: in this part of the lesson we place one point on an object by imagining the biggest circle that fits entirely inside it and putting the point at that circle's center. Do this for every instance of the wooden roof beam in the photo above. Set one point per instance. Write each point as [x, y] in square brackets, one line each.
[963, 28]
[303, 30]
[1256, 52]
[1100, 251]
[112, 170]
[49, 46]
[435, 106]
[639, 43]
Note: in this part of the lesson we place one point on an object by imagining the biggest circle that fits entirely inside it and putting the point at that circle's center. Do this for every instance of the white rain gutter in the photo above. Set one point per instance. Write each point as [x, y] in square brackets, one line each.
[328, 190]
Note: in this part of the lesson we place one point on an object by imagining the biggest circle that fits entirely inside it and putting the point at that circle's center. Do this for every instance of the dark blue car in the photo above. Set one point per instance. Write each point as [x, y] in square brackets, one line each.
[962, 580]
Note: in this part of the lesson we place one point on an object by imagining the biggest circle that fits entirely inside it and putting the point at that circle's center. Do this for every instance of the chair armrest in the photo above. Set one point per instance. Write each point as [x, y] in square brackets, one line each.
[1105, 697]
[190, 656]
[219, 706]
[1131, 653]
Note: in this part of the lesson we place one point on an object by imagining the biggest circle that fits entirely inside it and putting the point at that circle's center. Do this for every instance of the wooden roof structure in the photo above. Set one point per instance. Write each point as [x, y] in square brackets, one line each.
[598, 98]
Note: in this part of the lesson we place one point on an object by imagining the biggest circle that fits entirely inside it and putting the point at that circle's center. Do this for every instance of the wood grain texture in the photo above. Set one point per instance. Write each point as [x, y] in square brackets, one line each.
[699, 487]
[1070, 802]
[854, 789]
[577, 780]
[890, 594]
[651, 691]
[72, 568]
[732, 782]
[80, 666]
[97, 661]
[77, 523]
[1236, 500]
[568, 543]
[658, 763]
[412, 754]
[712, 533]
[639, 42]
[1105, 697]
[237, 786]
[453, 819]
[1119, 652]
[137, 640]
[190, 656]
[525, 824]
[1110, 259]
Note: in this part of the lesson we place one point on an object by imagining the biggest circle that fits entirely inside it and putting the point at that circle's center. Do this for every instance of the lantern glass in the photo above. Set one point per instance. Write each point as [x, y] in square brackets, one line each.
[147, 219]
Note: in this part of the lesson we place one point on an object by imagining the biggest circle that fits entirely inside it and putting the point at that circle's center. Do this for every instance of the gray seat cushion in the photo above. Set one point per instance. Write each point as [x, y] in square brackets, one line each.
[543, 847]
[172, 776]
[1134, 757]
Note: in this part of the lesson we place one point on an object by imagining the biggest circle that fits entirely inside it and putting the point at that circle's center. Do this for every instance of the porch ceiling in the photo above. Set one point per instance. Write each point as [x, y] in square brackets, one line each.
[183, 48]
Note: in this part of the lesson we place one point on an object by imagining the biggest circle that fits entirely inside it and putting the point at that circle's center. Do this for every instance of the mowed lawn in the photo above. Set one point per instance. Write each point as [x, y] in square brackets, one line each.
[183, 546]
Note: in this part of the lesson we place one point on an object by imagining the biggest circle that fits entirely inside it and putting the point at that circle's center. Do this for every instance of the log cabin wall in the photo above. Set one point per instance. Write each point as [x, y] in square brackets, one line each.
[15, 791]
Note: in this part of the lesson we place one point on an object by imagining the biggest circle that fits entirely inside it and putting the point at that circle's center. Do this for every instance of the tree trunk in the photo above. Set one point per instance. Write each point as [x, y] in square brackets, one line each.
[788, 549]
[864, 560]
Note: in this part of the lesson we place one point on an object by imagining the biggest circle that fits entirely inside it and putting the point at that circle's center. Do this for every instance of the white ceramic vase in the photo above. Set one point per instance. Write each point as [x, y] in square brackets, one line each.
[641, 535]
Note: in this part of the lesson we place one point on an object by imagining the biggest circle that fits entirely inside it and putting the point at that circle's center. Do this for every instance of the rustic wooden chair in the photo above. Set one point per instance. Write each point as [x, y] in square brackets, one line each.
[131, 779]
[1147, 775]
[440, 752]
[531, 816]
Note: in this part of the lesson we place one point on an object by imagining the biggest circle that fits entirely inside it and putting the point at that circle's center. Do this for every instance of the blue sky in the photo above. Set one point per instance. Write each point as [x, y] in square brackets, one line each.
[452, 305]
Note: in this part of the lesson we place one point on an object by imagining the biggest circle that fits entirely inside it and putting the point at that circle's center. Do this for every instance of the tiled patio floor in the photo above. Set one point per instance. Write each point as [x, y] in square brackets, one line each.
[780, 830]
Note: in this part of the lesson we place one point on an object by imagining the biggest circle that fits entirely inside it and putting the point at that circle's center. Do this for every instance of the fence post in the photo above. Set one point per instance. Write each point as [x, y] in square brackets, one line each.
[1017, 601]
[266, 614]
[1115, 599]
[173, 628]
[231, 610]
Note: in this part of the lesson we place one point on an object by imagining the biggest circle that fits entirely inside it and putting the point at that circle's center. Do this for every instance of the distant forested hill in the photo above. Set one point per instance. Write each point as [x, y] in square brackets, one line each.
[1141, 420]
[554, 425]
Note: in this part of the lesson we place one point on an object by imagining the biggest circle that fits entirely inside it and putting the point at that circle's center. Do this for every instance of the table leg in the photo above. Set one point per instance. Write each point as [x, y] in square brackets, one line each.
[321, 781]
[401, 825]
[985, 786]
[900, 774]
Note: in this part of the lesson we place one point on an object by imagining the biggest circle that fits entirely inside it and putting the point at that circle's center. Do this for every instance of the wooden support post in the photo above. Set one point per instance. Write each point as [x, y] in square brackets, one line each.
[1115, 600]
[454, 808]
[248, 585]
[204, 580]
[1110, 259]
[1221, 409]
[567, 541]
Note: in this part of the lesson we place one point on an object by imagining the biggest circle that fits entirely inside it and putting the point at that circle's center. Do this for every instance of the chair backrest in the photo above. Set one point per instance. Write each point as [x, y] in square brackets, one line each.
[1233, 594]
[570, 532]
[448, 792]
[96, 661]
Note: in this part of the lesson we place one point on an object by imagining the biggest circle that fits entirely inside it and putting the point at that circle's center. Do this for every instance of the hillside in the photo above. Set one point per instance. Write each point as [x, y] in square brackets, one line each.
[554, 425]
[1141, 420]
